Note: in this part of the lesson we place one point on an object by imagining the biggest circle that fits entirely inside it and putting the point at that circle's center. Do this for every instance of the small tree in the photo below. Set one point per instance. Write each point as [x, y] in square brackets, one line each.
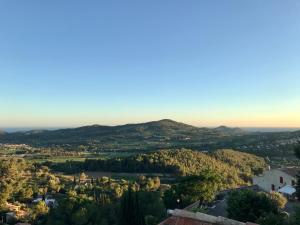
[297, 151]
[278, 199]
[202, 188]
[74, 180]
[40, 209]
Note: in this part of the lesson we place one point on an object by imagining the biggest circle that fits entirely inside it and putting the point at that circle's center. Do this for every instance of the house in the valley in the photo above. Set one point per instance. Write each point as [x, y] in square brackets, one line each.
[10, 217]
[50, 202]
[282, 180]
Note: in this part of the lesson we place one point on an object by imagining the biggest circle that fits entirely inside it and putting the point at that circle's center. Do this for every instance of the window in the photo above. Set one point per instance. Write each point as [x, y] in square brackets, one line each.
[281, 180]
[273, 187]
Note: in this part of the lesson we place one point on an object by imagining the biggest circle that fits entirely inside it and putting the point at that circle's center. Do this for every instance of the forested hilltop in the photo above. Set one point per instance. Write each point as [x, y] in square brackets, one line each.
[236, 168]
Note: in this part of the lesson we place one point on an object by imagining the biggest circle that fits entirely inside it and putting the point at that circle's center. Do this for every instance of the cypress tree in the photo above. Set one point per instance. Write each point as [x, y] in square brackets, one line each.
[130, 206]
[74, 180]
[297, 153]
[139, 217]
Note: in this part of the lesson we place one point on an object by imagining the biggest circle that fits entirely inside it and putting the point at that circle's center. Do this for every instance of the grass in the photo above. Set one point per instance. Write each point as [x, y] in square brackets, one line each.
[58, 159]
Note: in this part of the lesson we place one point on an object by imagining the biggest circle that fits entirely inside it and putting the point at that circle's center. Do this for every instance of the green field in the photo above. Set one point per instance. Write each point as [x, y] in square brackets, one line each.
[105, 155]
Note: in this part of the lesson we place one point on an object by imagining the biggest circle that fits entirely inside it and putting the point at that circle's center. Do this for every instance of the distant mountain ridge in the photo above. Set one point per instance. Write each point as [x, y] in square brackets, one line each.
[162, 133]
[154, 135]
[228, 130]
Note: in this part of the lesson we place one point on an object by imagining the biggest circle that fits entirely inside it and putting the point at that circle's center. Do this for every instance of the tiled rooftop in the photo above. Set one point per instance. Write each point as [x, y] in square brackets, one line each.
[183, 217]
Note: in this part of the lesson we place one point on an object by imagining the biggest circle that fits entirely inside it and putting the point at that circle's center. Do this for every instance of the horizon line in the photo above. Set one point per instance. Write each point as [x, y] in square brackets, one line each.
[28, 128]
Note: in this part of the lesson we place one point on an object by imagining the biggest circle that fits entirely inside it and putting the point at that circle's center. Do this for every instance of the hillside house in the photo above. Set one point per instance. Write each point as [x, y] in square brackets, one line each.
[281, 180]
[10, 217]
[50, 202]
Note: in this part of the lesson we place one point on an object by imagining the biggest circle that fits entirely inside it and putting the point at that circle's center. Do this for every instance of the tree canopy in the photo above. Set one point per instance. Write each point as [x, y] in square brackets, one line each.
[202, 188]
[249, 206]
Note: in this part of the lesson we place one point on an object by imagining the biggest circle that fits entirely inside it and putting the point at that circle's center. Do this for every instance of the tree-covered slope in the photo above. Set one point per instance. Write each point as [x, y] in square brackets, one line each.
[180, 162]
[245, 162]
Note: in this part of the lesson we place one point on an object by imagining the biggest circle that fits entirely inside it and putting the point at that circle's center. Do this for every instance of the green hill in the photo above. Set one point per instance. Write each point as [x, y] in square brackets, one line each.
[150, 135]
[155, 135]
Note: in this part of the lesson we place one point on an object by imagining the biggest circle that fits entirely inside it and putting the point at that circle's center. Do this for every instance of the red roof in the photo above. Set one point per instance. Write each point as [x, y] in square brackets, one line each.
[173, 220]
[183, 217]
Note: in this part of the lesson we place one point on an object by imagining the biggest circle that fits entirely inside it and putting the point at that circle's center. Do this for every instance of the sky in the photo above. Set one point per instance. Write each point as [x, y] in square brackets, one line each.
[67, 63]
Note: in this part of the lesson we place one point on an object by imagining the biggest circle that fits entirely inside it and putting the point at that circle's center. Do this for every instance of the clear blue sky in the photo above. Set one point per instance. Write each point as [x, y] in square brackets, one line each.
[70, 63]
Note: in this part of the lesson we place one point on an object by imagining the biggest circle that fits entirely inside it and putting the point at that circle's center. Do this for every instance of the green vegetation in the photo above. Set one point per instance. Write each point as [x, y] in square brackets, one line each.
[107, 141]
[273, 219]
[21, 181]
[176, 162]
[117, 193]
[202, 188]
[297, 151]
[145, 136]
[259, 207]
[277, 198]
[12, 174]
[81, 200]
[157, 135]
[103, 200]
[55, 154]
[131, 212]
[246, 163]
[297, 154]
[250, 206]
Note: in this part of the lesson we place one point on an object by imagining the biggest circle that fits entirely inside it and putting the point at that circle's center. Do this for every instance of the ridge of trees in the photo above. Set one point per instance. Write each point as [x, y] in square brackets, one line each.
[236, 167]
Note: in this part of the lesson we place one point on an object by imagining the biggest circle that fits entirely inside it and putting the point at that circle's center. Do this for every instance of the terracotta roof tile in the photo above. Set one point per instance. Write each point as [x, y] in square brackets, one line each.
[173, 220]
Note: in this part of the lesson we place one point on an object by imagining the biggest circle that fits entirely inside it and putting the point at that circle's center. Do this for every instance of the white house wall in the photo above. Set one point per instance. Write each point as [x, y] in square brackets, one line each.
[270, 177]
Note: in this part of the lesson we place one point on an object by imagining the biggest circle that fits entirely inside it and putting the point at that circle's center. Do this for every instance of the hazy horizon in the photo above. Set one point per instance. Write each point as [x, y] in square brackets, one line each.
[254, 129]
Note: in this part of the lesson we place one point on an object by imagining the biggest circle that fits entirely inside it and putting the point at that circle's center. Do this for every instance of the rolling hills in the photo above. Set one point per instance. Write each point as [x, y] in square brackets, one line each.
[155, 135]
[163, 133]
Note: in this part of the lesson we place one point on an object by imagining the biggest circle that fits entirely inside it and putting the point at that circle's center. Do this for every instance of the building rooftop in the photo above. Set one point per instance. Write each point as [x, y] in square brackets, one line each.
[292, 171]
[287, 189]
[183, 217]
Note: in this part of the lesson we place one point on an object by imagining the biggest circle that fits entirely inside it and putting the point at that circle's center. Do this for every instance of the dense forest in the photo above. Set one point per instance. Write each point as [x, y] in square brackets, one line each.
[25, 188]
[237, 167]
